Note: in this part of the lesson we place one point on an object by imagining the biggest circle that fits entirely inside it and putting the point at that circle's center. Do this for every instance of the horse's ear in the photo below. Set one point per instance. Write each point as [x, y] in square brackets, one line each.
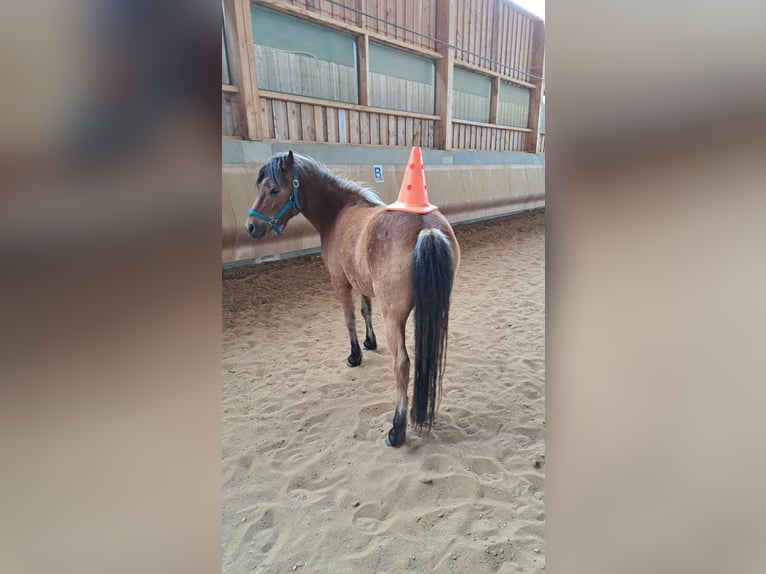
[287, 162]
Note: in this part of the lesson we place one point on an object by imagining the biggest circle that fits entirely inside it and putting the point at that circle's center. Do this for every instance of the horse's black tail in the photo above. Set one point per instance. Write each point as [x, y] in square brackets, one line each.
[432, 276]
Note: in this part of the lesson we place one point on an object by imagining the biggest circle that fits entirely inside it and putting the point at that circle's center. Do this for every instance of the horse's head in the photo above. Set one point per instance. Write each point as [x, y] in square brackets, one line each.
[276, 201]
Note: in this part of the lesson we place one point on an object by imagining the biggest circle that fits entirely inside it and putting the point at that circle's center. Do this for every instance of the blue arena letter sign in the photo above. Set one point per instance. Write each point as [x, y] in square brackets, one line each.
[377, 170]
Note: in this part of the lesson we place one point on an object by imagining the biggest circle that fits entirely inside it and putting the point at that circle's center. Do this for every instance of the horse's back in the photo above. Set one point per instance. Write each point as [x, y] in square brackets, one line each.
[390, 242]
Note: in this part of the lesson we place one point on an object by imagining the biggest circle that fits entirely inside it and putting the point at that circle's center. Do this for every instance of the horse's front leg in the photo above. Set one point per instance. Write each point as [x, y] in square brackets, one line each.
[395, 326]
[369, 340]
[347, 301]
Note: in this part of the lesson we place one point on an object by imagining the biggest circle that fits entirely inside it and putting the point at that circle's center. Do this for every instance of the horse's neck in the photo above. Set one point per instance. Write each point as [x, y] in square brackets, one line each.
[323, 204]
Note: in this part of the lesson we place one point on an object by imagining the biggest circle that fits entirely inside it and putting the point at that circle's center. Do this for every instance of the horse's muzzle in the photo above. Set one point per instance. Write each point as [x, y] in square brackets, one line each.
[257, 230]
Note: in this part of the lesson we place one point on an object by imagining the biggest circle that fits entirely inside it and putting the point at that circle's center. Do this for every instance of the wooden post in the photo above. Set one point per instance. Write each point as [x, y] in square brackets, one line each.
[493, 100]
[445, 31]
[362, 49]
[239, 45]
[535, 97]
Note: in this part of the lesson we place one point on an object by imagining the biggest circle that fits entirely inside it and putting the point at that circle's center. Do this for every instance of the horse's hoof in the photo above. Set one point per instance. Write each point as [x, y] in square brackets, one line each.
[393, 440]
[352, 361]
[370, 345]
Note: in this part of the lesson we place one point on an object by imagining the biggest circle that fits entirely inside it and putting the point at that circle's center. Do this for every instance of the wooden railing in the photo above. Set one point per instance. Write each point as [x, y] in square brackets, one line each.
[295, 118]
[488, 137]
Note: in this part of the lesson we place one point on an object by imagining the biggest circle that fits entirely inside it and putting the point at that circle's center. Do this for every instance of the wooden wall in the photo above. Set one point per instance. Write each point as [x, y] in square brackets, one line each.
[491, 37]
[414, 15]
[495, 30]
[279, 71]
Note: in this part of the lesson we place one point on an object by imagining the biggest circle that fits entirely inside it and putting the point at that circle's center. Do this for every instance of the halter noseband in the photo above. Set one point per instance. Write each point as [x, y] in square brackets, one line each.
[292, 202]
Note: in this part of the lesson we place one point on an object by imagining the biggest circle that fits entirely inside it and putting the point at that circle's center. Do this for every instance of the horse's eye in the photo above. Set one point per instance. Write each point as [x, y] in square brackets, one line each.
[274, 192]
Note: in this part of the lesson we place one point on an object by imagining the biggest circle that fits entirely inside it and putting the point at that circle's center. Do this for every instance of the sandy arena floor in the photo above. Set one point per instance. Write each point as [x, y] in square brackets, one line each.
[308, 485]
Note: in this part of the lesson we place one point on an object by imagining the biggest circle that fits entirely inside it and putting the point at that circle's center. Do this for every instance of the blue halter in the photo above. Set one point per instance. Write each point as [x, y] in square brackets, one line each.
[292, 202]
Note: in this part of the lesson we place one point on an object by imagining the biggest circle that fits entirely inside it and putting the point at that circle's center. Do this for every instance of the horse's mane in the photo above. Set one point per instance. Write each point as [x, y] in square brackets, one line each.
[273, 170]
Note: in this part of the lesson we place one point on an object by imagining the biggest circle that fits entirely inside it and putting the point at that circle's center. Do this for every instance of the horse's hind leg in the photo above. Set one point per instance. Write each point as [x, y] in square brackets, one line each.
[369, 340]
[395, 339]
[346, 300]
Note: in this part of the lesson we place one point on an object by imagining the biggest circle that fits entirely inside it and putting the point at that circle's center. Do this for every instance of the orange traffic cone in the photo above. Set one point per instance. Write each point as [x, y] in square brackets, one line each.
[413, 195]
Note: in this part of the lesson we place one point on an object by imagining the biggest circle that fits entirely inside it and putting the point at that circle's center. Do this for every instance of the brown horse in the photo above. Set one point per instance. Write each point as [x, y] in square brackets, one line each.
[405, 260]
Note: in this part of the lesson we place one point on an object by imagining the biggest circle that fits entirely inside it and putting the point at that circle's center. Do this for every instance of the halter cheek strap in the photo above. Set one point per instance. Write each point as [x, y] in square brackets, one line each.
[292, 202]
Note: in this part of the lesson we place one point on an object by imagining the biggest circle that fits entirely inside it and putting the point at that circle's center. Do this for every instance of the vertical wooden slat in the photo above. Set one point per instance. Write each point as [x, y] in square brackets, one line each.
[293, 122]
[383, 130]
[400, 131]
[338, 12]
[431, 133]
[481, 32]
[489, 33]
[429, 22]
[361, 5]
[373, 7]
[280, 120]
[471, 33]
[416, 131]
[493, 101]
[267, 119]
[308, 132]
[319, 124]
[524, 48]
[462, 11]
[374, 133]
[400, 19]
[417, 20]
[364, 128]
[408, 20]
[506, 36]
[332, 125]
[494, 34]
[391, 131]
[354, 127]
[385, 11]
[517, 46]
[408, 130]
[458, 24]
[513, 49]
[342, 126]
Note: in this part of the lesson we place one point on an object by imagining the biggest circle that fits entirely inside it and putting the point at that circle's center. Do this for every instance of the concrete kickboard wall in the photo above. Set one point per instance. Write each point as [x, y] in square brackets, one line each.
[465, 191]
